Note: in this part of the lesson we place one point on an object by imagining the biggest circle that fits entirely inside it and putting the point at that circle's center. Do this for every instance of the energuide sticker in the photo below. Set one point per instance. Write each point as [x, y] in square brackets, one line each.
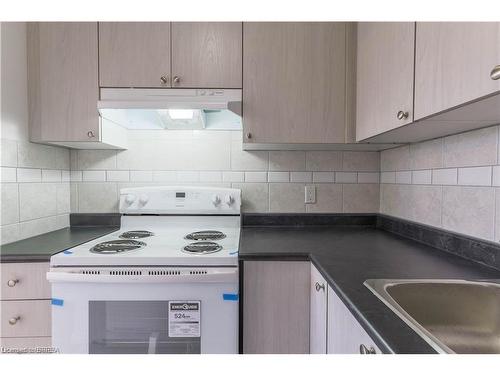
[184, 318]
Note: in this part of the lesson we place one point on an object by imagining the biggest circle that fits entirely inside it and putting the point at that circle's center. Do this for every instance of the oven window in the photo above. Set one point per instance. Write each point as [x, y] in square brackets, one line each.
[135, 327]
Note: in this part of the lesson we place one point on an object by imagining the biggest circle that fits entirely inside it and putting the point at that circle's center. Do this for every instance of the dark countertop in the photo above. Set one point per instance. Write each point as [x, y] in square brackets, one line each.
[348, 255]
[41, 248]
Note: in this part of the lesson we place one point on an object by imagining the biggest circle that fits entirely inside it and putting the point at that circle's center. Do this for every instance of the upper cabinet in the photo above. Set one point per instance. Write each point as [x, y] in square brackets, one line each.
[63, 87]
[454, 64]
[134, 54]
[62, 77]
[179, 54]
[385, 55]
[294, 83]
[456, 83]
[207, 54]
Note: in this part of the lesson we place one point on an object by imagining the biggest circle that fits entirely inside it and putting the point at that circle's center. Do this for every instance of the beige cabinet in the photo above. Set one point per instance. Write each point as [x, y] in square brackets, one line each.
[453, 64]
[276, 307]
[62, 82]
[345, 334]
[319, 307]
[207, 54]
[294, 82]
[25, 305]
[384, 86]
[134, 54]
[164, 54]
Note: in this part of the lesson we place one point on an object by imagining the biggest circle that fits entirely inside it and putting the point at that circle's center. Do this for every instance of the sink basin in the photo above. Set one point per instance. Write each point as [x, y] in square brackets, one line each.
[453, 316]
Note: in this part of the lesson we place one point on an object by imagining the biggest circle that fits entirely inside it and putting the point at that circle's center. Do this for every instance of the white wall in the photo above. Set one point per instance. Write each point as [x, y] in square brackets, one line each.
[35, 190]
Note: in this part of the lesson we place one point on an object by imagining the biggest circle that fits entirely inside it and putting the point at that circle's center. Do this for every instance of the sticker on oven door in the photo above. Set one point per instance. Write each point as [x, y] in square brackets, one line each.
[184, 318]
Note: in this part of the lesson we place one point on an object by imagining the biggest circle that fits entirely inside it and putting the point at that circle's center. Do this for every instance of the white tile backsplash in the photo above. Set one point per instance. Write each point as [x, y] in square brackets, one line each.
[51, 175]
[29, 175]
[323, 177]
[8, 174]
[278, 176]
[403, 177]
[117, 176]
[233, 176]
[453, 183]
[255, 176]
[94, 176]
[368, 177]
[141, 176]
[388, 177]
[210, 176]
[422, 177]
[346, 177]
[300, 176]
[287, 160]
[447, 176]
[475, 176]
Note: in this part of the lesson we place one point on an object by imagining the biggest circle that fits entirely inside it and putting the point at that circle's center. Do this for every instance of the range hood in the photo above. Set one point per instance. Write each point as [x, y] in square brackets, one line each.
[180, 109]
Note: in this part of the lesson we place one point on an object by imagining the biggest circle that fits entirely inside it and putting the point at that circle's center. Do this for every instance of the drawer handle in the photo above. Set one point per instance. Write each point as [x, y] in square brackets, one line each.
[14, 320]
[12, 283]
[364, 350]
[319, 287]
[495, 73]
[402, 115]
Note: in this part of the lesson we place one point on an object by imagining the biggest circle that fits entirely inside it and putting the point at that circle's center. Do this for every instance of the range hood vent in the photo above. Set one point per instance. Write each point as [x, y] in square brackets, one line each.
[180, 109]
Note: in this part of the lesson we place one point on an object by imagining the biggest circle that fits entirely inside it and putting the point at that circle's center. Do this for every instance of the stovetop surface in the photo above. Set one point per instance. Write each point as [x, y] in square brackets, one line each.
[165, 247]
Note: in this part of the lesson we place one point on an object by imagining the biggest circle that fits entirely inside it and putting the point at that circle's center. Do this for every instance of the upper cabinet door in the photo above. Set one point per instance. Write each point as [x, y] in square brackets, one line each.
[385, 58]
[453, 65]
[134, 54]
[63, 81]
[294, 82]
[207, 54]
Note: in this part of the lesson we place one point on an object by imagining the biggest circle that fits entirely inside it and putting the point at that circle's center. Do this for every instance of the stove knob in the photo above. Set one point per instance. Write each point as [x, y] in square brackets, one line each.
[129, 199]
[229, 199]
[143, 199]
[216, 200]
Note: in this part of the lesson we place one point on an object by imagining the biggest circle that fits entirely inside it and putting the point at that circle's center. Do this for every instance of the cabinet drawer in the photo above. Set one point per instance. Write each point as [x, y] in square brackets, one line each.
[25, 342]
[24, 281]
[33, 318]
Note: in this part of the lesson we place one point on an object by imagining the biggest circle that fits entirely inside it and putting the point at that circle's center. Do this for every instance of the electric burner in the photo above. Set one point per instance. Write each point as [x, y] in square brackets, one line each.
[135, 234]
[204, 235]
[117, 246]
[202, 247]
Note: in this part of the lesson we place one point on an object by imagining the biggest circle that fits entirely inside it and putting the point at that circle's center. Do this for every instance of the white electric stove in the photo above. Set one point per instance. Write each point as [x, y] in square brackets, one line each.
[166, 282]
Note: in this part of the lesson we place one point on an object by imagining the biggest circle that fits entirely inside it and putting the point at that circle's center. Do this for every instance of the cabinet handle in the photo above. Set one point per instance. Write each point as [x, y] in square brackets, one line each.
[495, 73]
[364, 350]
[176, 79]
[164, 80]
[90, 134]
[12, 283]
[319, 287]
[14, 320]
[248, 135]
[402, 115]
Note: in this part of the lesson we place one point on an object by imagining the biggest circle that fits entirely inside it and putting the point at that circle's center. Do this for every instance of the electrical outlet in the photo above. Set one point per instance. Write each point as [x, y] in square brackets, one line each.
[310, 194]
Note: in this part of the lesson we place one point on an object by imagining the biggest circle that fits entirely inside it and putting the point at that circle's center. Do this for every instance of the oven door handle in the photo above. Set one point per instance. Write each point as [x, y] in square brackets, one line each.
[229, 275]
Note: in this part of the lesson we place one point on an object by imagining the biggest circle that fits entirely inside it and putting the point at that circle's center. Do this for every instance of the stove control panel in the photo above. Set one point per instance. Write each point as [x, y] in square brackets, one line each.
[187, 200]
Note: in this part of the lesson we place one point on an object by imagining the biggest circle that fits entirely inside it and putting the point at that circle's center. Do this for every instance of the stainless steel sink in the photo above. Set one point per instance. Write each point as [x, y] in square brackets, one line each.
[453, 316]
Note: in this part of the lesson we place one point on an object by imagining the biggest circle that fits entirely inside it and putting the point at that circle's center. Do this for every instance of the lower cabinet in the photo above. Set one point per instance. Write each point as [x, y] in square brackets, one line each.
[345, 334]
[276, 307]
[25, 306]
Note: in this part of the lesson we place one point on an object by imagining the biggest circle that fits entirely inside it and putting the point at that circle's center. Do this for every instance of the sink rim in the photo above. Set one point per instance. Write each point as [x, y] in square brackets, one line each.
[379, 288]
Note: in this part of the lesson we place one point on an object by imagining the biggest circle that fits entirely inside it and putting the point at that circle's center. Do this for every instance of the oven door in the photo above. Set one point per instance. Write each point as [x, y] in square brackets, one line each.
[145, 311]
